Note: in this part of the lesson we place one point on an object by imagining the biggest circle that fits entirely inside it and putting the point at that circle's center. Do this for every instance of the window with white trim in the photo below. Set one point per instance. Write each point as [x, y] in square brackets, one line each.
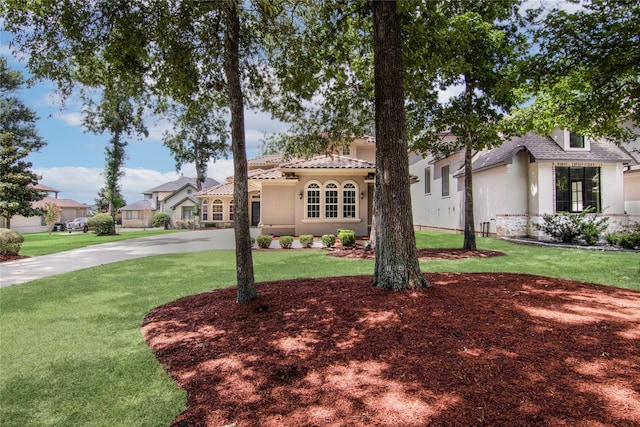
[231, 210]
[205, 210]
[445, 181]
[331, 200]
[349, 198]
[217, 209]
[313, 200]
[427, 180]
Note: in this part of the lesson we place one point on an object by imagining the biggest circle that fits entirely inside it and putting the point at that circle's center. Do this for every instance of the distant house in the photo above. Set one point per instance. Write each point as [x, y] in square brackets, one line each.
[174, 198]
[302, 196]
[70, 209]
[632, 177]
[516, 183]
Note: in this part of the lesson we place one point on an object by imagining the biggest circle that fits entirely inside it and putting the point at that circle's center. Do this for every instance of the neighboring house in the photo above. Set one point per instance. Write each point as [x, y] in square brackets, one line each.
[302, 196]
[632, 177]
[174, 198]
[70, 209]
[516, 183]
[138, 215]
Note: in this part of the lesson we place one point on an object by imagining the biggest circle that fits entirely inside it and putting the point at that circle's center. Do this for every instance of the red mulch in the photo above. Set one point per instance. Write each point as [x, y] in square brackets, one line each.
[356, 252]
[5, 258]
[473, 349]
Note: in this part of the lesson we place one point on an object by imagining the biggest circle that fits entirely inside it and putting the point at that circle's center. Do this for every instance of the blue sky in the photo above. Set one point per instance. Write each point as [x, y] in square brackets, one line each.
[73, 159]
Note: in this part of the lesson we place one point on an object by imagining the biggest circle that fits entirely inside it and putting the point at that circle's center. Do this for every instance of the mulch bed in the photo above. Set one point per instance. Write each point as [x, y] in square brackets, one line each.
[357, 252]
[473, 349]
[5, 258]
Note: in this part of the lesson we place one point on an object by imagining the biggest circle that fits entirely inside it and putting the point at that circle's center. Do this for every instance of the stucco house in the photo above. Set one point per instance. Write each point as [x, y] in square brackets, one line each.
[70, 209]
[516, 183]
[176, 198]
[302, 196]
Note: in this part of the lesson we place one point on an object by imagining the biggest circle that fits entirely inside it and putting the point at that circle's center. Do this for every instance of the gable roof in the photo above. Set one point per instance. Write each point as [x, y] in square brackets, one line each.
[329, 162]
[545, 149]
[179, 183]
[63, 203]
[140, 205]
[222, 190]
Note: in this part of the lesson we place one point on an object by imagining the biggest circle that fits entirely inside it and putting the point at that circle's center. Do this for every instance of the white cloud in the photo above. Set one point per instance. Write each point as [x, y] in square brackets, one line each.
[82, 184]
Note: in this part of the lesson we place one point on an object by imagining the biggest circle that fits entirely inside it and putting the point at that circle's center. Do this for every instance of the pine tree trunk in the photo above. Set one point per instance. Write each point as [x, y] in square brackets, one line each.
[469, 226]
[244, 258]
[396, 265]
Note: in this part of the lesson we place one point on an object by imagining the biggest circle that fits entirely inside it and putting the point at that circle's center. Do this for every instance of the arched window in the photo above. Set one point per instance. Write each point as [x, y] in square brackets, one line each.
[349, 198]
[205, 210]
[231, 210]
[313, 200]
[331, 200]
[217, 208]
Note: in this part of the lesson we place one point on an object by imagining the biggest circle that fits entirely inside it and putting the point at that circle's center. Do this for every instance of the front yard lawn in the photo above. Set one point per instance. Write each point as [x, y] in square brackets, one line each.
[72, 352]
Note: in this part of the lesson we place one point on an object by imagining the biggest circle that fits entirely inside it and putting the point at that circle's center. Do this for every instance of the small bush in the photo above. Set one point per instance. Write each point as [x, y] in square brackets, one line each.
[161, 219]
[10, 242]
[286, 242]
[264, 241]
[630, 236]
[347, 237]
[103, 224]
[328, 240]
[184, 224]
[306, 240]
[253, 241]
[566, 228]
[612, 239]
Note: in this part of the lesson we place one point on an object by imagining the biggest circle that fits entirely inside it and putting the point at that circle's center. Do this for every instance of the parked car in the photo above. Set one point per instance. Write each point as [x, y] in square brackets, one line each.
[78, 224]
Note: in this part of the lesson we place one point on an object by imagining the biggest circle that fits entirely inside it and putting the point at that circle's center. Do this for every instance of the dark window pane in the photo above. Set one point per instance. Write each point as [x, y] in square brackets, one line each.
[563, 198]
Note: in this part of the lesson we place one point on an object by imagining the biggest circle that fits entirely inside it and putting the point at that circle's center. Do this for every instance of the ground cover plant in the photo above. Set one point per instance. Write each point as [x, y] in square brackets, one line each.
[72, 352]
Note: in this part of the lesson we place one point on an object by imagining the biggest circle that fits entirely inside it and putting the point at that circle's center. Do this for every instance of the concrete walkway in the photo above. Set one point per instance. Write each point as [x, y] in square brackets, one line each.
[26, 270]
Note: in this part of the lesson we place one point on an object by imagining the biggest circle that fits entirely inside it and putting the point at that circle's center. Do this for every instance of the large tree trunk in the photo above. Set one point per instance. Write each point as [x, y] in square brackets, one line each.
[396, 265]
[469, 227]
[244, 258]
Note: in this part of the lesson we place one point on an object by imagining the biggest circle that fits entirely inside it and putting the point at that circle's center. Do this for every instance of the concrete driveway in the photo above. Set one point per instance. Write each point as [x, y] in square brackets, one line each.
[26, 270]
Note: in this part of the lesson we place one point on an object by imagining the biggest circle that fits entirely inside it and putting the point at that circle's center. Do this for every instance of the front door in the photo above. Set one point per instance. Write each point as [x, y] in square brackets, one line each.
[255, 214]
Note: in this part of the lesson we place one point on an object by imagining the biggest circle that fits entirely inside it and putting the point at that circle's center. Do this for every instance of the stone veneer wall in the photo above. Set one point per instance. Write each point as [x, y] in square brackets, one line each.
[509, 225]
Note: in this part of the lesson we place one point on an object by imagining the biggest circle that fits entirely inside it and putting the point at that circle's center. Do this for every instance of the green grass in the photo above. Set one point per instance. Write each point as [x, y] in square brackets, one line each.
[72, 353]
[36, 244]
[613, 268]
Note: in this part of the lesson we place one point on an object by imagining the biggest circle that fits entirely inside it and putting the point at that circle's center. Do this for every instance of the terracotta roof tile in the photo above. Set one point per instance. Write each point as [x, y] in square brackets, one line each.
[329, 162]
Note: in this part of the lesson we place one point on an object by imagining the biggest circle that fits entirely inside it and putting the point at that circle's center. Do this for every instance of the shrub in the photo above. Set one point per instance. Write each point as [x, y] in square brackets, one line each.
[10, 242]
[184, 224]
[306, 240]
[253, 241]
[286, 242]
[328, 240]
[630, 236]
[612, 239]
[161, 219]
[347, 237]
[103, 224]
[264, 241]
[566, 228]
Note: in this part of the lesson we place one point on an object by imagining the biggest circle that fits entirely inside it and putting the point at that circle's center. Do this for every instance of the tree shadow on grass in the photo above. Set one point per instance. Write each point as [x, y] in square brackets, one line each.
[474, 349]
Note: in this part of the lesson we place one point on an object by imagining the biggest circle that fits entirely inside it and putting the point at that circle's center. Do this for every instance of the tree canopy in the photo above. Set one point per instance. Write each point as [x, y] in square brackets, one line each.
[586, 71]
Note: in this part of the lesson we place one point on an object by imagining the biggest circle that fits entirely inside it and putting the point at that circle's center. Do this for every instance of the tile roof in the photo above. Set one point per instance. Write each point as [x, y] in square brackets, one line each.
[217, 190]
[329, 162]
[274, 173]
[272, 159]
[545, 149]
